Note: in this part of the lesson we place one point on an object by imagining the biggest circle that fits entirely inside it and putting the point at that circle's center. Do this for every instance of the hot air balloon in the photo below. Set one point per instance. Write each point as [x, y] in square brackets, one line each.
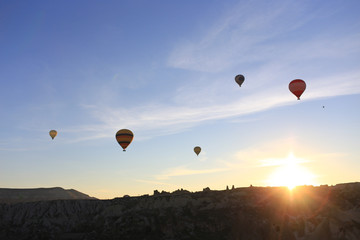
[53, 133]
[197, 150]
[124, 138]
[297, 87]
[239, 79]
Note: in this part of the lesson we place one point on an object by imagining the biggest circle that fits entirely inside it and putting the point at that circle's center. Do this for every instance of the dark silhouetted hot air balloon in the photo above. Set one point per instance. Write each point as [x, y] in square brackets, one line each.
[124, 138]
[239, 79]
[197, 150]
[53, 133]
[297, 87]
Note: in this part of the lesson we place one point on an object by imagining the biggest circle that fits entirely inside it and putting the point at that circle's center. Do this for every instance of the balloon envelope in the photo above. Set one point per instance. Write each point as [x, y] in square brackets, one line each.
[53, 133]
[239, 79]
[124, 137]
[197, 150]
[297, 87]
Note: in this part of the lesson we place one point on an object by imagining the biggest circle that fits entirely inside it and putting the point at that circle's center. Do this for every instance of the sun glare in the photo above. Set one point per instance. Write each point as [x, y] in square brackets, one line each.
[291, 174]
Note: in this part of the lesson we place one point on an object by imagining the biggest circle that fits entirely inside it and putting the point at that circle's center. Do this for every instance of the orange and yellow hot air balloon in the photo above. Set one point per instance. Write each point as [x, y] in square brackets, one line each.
[53, 134]
[124, 138]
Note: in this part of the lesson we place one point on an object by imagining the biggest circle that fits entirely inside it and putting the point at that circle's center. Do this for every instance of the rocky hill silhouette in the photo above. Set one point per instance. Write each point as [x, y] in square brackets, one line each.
[252, 213]
[10, 195]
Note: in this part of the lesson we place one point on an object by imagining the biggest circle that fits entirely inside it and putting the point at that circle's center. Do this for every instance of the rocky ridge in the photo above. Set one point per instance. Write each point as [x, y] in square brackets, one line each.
[306, 213]
[13, 195]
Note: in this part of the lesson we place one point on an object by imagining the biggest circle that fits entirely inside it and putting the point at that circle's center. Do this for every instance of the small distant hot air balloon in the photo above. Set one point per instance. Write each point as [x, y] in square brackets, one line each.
[239, 79]
[53, 133]
[297, 87]
[197, 150]
[124, 138]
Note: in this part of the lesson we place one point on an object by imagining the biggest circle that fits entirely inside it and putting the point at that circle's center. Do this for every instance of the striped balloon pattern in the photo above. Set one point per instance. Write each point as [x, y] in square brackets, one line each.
[124, 138]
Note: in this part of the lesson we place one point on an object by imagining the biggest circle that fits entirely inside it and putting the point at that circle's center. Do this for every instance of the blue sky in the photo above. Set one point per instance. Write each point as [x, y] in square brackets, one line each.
[165, 70]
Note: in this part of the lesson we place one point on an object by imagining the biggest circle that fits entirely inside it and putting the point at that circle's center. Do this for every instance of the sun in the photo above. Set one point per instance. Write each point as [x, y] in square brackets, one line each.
[291, 174]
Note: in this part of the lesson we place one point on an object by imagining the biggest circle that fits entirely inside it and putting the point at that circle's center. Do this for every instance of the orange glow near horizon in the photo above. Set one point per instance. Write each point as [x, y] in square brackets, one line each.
[291, 174]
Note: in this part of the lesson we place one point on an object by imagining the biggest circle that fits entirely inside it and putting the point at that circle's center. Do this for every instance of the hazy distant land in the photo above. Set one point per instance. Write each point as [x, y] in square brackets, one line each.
[268, 213]
[12, 195]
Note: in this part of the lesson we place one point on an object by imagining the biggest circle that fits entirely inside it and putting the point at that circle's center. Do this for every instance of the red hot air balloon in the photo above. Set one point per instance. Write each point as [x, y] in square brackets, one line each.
[297, 87]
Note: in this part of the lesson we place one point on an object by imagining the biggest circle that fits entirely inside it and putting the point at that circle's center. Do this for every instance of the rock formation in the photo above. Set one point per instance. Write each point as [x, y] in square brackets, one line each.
[268, 213]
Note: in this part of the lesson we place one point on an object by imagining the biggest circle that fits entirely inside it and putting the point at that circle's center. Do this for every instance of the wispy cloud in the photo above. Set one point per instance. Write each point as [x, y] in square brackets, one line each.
[270, 162]
[202, 157]
[163, 119]
[258, 155]
[16, 149]
[237, 38]
[155, 182]
[252, 40]
[167, 119]
[16, 145]
[184, 171]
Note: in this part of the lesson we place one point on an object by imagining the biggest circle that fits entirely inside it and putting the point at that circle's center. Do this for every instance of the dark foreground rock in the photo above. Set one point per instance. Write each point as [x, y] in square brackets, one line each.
[329, 213]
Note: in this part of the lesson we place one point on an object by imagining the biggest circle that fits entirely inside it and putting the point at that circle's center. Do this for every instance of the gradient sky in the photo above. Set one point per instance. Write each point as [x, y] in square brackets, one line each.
[165, 70]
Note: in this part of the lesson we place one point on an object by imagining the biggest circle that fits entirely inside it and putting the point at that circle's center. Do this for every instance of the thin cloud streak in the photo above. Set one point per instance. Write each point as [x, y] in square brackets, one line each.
[16, 149]
[235, 37]
[183, 171]
[160, 119]
[271, 162]
[175, 119]
[253, 157]
[155, 182]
